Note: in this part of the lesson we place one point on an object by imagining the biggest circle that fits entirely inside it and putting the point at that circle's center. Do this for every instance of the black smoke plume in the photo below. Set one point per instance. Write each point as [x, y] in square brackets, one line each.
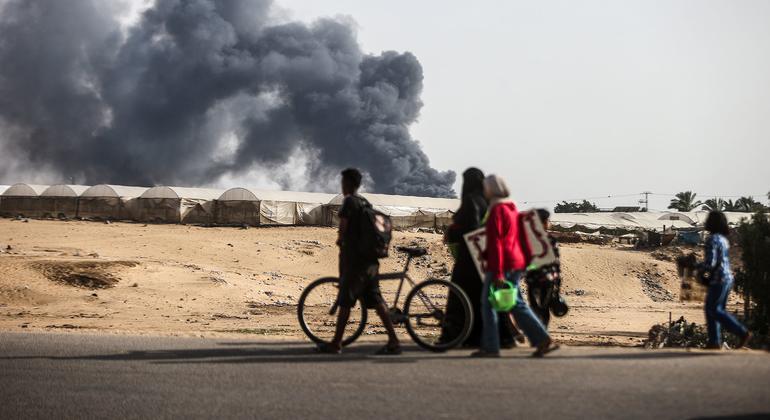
[201, 89]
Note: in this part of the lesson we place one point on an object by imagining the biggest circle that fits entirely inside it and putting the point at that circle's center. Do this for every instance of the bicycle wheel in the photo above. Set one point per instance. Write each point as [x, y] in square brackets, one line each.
[317, 313]
[426, 315]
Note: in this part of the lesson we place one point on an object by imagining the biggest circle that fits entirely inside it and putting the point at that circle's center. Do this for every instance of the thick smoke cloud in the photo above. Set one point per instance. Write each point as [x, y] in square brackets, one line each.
[198, 90]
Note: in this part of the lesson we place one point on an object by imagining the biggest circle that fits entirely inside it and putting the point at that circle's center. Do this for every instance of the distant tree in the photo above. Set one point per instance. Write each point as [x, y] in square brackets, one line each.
[684, 201]
[749, 204]
[714, 204]
[731, 206]
[575, 207]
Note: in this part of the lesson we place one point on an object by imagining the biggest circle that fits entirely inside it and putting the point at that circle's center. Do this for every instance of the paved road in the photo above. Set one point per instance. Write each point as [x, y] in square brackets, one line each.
[84, 376]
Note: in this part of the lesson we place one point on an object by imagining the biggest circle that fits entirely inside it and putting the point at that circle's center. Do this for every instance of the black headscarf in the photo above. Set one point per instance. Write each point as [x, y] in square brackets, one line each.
[473, 205]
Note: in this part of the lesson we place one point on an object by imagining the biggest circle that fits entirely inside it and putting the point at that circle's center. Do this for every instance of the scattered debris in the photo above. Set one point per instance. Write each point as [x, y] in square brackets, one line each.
[680, 333]
[273, 275]
[576, 292]
[216, 280]
[652, 287]
[667, 253]
[224, 316]
[64, 326]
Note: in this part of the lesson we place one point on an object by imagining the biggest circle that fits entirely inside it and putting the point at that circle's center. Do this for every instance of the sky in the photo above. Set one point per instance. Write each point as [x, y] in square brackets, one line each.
[585, 99]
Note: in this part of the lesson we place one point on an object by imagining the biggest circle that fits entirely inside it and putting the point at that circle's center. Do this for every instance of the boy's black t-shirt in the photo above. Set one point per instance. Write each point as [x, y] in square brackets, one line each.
[352, 210]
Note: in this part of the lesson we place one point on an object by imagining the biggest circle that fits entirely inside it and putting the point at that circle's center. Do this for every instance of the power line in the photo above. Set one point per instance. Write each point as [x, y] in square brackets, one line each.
[717, 195]
[644, 201]
[581, 198]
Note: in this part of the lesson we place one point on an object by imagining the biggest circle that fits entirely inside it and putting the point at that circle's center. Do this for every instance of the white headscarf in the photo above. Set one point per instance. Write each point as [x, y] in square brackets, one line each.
[497, 189]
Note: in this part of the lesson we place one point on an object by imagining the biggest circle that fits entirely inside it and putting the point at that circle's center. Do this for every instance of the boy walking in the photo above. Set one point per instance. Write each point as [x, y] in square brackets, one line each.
[358, 272]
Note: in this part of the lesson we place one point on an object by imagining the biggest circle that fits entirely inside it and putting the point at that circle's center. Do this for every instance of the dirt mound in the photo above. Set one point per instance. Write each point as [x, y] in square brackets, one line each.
[85, 274]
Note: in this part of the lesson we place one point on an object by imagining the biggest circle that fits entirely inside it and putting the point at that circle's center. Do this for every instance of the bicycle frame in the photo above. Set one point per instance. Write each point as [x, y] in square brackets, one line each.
[403, 276]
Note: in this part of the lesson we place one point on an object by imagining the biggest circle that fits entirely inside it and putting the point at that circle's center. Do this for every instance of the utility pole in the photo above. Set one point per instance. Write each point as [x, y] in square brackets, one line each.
[645, 200]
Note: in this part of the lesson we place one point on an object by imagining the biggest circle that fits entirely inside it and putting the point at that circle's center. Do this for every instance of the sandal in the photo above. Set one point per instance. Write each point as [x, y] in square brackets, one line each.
[326, 348]
[744, 341]
[545, 348]
[388, 350]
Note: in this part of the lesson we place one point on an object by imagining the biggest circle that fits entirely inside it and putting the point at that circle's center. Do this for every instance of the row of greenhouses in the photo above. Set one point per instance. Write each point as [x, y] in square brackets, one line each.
[234, 206]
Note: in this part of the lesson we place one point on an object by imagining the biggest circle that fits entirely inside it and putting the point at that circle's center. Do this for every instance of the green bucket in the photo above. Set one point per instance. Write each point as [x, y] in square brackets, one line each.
[503, 299]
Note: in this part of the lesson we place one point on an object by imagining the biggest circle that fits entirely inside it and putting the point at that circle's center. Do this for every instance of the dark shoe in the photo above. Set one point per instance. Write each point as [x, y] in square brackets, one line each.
[508, 345]
[485, 354]
[326, 348]
[744, 341]
[388, 350]
[547, 347]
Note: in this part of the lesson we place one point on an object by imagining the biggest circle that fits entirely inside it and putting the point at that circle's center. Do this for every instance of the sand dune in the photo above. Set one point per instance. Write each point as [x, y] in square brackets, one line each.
[187, 280]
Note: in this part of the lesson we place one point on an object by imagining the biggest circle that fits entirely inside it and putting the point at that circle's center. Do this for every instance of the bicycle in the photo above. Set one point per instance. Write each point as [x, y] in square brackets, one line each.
[424, 311]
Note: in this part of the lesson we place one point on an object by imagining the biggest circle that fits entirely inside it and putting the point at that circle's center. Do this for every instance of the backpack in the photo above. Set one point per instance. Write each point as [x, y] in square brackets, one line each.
[376, 233]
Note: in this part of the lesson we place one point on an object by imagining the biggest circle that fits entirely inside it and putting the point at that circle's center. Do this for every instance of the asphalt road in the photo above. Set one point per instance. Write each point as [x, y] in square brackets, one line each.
[89, 376]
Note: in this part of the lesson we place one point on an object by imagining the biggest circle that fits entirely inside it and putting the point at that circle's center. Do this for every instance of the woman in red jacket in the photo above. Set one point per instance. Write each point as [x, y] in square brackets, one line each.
[505, 261]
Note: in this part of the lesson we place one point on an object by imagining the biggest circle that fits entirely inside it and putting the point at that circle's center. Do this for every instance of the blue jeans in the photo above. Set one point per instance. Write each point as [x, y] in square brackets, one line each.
[716, 314]
[525, 318]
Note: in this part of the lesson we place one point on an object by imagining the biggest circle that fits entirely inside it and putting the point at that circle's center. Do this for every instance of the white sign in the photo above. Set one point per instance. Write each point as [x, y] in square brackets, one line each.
[533, 232]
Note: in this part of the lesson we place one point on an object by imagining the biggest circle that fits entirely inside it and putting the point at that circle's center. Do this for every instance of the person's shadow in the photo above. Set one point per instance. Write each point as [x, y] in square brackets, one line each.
[303, 352]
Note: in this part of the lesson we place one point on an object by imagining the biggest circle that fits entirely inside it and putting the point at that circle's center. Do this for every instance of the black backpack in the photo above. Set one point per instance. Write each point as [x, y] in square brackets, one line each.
[376, 232]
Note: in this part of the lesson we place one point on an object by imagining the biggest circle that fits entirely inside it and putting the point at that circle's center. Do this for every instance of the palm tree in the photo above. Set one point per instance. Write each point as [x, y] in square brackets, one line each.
[749, 204]
[684, 201]
[714, 204]
[731, 206]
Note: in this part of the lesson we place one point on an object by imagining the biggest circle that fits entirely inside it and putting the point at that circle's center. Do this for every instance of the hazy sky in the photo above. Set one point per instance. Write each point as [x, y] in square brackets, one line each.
[571, 99]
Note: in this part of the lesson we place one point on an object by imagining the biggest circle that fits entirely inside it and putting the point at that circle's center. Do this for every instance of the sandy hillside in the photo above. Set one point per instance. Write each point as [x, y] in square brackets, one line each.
[187, 280]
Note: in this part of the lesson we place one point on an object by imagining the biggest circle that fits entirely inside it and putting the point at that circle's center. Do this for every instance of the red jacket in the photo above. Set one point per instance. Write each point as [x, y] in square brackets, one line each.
[504, 251]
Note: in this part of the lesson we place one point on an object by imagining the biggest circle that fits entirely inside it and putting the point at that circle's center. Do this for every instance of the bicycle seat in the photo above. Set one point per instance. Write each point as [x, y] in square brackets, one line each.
[413, 252]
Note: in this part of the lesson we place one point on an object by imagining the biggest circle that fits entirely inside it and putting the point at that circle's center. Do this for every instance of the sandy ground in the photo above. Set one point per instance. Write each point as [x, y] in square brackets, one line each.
[194, 281]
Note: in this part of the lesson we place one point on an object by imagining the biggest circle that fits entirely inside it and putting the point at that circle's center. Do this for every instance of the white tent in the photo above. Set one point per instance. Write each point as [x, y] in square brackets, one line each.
[639, 221]
[261, 207]
[405, 211]
[620, 221]
[60, 200]
[292, 207]
[3, 188]
[177, 204]
[733, 218]
[22, 200]
[237, 206]
[115, 202]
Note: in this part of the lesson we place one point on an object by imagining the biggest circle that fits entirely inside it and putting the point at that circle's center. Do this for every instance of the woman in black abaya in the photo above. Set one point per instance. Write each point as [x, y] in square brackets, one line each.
[473, 208]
